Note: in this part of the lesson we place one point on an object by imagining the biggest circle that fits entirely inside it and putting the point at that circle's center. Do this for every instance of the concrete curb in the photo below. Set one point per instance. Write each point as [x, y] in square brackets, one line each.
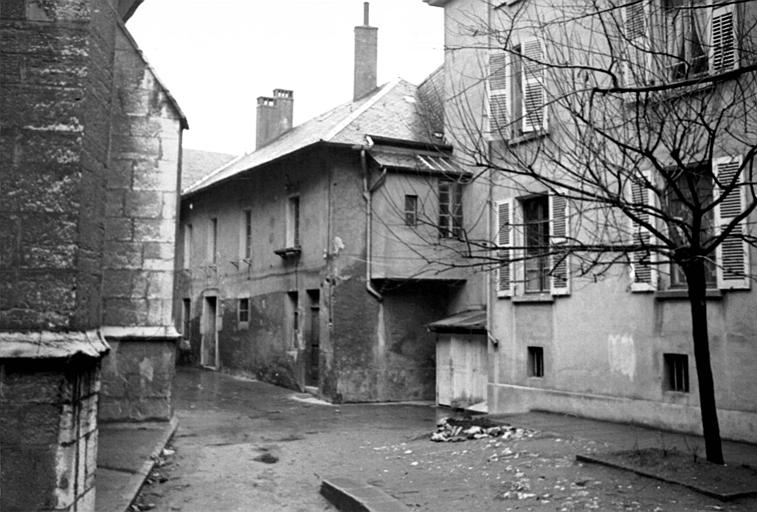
[137, 480]
[351, 496]
[649, 474]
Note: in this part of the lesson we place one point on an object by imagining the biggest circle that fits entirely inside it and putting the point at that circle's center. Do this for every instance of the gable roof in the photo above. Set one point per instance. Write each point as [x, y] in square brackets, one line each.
[196, 163]
[392, 111]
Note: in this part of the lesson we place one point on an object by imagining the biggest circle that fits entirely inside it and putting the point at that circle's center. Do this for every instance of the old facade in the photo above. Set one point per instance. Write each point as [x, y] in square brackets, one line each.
[305, 262]
[89, 151]
[614, 344]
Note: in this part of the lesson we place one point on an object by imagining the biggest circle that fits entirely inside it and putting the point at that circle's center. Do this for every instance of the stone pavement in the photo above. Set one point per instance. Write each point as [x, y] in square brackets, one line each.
[126, 454]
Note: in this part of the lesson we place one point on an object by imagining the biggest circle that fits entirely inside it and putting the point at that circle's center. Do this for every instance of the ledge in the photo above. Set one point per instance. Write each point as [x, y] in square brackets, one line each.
[52, 345]
[679, 294]
[543, 298]
[288, 252]
[141, 333]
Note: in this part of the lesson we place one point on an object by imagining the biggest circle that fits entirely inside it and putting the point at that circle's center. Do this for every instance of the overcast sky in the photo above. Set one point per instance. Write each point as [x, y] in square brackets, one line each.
[218, 56]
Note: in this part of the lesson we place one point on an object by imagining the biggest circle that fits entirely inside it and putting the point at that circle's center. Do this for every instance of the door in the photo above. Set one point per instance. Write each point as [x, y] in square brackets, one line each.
[209, 354]
[314, 339]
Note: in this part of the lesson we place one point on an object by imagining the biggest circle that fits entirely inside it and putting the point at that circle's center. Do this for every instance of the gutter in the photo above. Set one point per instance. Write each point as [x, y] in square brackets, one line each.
[368, 196]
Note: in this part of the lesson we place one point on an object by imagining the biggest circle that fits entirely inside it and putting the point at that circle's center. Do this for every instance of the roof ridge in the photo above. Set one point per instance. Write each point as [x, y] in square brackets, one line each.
[363, 108]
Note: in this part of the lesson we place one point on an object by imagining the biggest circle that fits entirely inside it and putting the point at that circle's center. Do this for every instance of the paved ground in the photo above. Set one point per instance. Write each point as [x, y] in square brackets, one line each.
[244, 445]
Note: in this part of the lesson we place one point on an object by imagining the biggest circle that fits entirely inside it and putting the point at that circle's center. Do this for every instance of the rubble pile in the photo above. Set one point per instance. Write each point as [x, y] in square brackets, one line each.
[457, 429]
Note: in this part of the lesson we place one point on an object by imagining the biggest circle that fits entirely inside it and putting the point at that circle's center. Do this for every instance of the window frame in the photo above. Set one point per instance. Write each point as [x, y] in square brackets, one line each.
[246, 233]
[542, 225]
[450, 225]
[535, 357]
[676, 373]
[243, 322]
[293, 221]
[411, 210]
[213, 241]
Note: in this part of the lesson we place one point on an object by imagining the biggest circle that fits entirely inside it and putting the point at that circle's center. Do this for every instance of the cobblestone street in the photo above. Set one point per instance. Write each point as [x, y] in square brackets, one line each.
[244, 445]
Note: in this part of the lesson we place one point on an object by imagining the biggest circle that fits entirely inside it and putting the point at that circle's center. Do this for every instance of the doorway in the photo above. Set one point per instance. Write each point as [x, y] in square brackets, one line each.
[209, 352]
[313, 338]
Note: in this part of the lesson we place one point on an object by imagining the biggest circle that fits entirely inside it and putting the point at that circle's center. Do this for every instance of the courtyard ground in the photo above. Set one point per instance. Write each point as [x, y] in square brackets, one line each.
[244, 445]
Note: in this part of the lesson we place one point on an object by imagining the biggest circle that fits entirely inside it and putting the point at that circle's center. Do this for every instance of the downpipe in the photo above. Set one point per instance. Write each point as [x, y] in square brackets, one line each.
[368, 197]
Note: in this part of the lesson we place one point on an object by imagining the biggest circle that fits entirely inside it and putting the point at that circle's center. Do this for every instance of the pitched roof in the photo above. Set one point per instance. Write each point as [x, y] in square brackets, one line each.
[195, 164]
[391, 111]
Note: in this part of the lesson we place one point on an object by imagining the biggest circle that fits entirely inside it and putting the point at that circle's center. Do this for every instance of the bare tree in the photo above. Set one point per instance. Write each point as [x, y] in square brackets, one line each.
[638, 120]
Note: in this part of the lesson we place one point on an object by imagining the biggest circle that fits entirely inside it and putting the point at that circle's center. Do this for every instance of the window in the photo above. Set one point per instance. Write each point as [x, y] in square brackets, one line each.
[694, 38]
[411, 210]
[243, 311]
[188, 246]
[695, 187]
[293, 222]
[536, 242]
[186, 319]
[676, 372]
[213, 241]
[247, 235]
[450, 209]
[294, 307]
[536, 361]
[517, 92]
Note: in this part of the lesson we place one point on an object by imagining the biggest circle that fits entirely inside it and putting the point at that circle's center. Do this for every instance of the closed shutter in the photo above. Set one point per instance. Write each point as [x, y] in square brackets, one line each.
[723, 49]
[498, 85]
[637, 43]
[733, 253]
[643, 258]
[559, 231]
[503, 233]
[534, 92]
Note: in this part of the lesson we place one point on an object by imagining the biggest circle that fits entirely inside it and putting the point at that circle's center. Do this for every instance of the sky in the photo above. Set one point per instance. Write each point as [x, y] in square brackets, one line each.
[217, 56]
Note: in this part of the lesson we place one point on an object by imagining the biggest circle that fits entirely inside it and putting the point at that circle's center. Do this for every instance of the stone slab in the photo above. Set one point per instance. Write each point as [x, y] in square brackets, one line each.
[353, 496]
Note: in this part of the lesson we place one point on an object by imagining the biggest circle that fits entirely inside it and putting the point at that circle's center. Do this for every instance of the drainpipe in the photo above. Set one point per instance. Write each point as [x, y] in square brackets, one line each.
[367, 195]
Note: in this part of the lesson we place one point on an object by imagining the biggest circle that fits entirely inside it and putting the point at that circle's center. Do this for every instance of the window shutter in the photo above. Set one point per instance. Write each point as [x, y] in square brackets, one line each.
[559, 231]
[643, 261]
[503, 232]
[723, 49]
[733, 253]
[498, 85]
[534, 92]
[637, 43]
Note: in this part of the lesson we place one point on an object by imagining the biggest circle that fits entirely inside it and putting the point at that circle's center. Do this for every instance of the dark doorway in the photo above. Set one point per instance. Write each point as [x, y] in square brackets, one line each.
[313, 338]
[209, 354]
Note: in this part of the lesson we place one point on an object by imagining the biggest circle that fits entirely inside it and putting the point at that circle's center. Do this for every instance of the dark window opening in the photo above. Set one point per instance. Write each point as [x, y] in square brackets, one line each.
[213, 249]
[411, 210]
[676, 372]
[450, 209]
[244, 310]
[248, 234]
[687, 25]
[536, 361]
[293, 222]
[536, 233]
[186, 319]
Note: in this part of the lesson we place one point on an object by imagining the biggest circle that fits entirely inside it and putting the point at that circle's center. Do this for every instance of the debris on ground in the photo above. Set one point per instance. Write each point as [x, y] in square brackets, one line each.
[462, 429]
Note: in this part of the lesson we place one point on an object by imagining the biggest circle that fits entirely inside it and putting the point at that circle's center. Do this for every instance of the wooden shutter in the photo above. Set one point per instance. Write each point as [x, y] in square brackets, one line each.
[532, 81]
[498, 86]
[637, 43]
[503, 233]
[644, 261]
[723, 48]
[733, 253]
[559, 231]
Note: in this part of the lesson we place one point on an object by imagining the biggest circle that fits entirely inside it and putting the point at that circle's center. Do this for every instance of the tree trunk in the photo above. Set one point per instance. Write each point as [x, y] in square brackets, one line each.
[697, 288]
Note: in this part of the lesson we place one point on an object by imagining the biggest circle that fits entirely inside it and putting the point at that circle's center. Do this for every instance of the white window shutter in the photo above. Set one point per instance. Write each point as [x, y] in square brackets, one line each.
[643, 260]
[723, 47]
[498, 87]
[534, 93]
[733, 253]
[559, 231]
[636, 18]
[503, 233]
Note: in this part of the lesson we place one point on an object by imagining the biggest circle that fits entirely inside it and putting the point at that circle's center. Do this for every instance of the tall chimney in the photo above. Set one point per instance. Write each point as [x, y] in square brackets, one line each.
[274, 116]
[366, 60]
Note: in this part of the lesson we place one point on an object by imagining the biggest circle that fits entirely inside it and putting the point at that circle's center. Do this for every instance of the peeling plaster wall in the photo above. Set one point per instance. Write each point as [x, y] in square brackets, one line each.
[140, 227]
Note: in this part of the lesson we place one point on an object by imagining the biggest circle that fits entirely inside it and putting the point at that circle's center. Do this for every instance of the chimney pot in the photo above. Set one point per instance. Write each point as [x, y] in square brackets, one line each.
[366, 12]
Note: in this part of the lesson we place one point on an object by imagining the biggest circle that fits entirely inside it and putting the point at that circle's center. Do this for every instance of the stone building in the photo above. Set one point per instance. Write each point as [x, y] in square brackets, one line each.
[610, 342]
[306, 262]
[89, 152]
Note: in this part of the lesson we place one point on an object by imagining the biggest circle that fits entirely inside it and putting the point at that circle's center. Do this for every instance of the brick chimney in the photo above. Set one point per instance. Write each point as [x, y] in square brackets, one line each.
[274, 116]
[366, 50]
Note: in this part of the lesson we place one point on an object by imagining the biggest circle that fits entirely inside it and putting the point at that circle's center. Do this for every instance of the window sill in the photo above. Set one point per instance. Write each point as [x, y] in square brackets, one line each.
[711, 294]
[544, 298]
[288, 252]
[526, 137]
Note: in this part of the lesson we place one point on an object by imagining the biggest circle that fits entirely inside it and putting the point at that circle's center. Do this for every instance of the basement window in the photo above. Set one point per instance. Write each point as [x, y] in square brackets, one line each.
[536, 361]
[676, 372]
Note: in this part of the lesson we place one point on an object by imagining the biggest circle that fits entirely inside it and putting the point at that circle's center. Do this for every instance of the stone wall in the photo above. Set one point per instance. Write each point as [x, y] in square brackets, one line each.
[140, 228]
